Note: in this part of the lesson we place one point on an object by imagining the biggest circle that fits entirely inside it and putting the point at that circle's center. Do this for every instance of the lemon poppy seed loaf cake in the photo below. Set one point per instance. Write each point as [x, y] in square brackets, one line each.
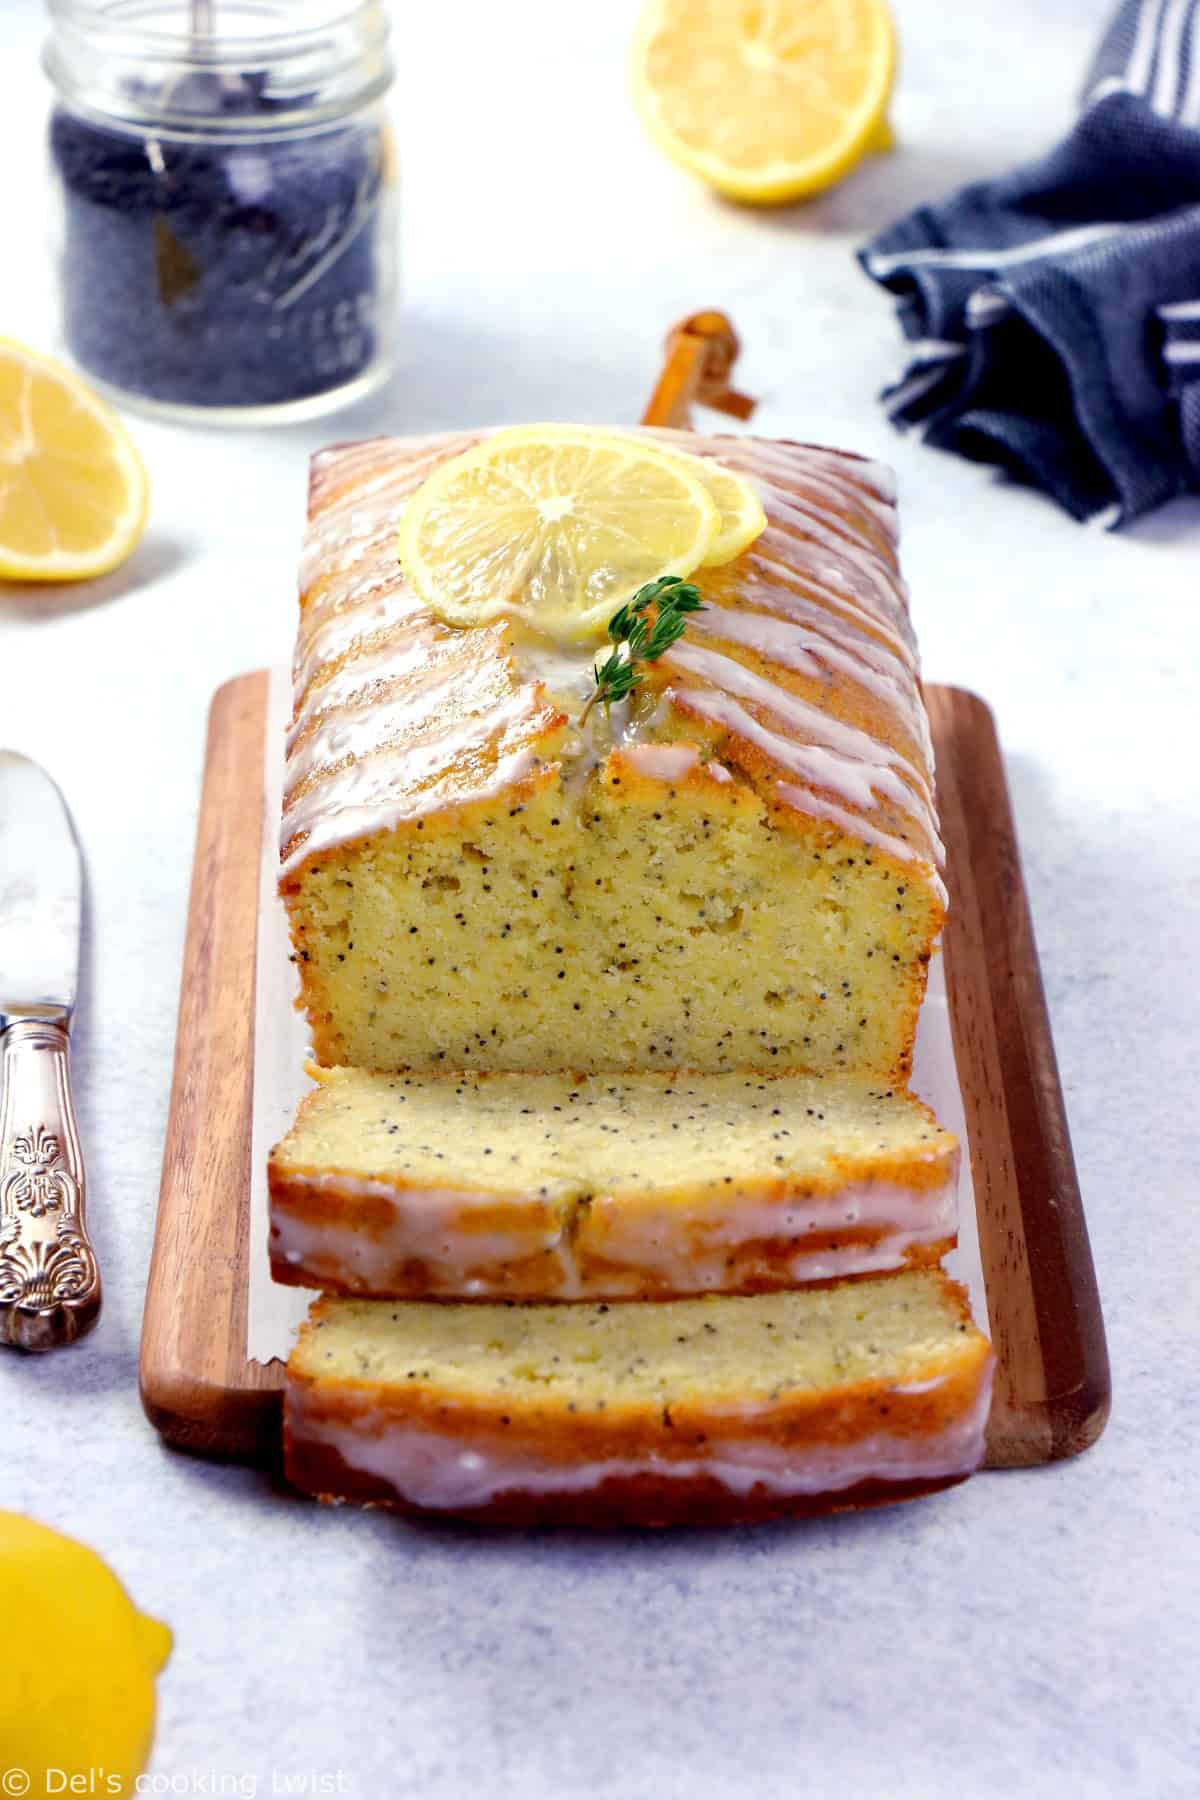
[536, 1187]
[736, 868]
[691, 1411]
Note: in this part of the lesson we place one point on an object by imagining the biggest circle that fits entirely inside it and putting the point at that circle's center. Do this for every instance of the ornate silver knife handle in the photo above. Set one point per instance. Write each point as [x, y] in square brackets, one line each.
[49, 1281]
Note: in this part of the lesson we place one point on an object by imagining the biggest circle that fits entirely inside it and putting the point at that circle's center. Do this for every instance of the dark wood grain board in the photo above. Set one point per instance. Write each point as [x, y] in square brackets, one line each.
[1052, 1384]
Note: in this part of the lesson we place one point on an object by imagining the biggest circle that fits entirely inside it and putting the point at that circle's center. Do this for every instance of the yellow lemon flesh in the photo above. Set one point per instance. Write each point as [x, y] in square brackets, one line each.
[740, 509]
[73, 489]
[765, 102]
[742, 518]
[556, 526]
[77, 1691]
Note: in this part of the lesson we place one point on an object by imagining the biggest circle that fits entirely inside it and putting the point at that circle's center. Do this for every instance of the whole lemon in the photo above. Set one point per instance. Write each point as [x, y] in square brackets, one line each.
[79, 1662]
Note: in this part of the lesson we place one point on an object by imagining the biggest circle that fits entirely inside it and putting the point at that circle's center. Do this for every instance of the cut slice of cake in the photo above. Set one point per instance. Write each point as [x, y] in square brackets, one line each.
[639, 1186]
[693, 1411]
[736, 867]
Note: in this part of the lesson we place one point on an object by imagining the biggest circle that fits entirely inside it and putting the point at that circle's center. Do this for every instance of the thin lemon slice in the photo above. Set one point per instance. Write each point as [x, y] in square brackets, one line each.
[742, 516]
[765, 102]
[73, 489]
[554, 524]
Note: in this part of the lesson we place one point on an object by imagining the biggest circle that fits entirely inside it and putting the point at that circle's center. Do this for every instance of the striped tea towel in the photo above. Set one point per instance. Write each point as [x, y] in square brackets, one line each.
[1053, 315]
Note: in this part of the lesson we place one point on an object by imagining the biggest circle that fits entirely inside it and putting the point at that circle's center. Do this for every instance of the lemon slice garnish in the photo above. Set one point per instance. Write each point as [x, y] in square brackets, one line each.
[742, 516]
[556, 525]
[765, 103]
[73, 489]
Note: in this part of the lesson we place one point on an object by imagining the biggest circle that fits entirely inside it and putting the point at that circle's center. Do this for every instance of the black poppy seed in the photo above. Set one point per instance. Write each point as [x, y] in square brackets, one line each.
[180, 289]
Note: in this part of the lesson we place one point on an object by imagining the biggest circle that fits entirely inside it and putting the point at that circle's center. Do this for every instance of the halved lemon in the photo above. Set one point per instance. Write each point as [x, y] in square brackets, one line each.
[742, 516]
[769, 101]
[73, 489]
[556, 525]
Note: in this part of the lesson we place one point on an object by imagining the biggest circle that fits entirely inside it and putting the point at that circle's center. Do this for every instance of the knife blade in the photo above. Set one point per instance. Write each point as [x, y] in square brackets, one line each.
[40, 885]
[49, 1281]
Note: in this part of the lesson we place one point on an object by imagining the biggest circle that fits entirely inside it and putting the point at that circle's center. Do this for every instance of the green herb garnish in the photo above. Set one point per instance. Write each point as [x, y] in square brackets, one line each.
[639, 639]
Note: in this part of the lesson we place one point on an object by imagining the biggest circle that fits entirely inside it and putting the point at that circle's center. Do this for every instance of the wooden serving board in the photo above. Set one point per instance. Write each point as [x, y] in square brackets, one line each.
[1052, 1380]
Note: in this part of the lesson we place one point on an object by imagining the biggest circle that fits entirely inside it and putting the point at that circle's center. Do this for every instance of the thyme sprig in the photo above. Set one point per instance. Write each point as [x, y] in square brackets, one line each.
[640, 639]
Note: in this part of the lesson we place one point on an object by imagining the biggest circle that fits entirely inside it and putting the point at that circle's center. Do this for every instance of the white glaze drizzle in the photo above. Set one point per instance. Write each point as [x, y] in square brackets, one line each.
[815, 722]
[387, 721]
[369, 726]
[787, 564]
[442, 1471]
[665, 762]
[822, 543]
[361, 799]
[381, 663]
[814, 653]
[684, 1250]
[361, 622]
[438, 1227]
[859, 785]
[565, 674]
[804, 800]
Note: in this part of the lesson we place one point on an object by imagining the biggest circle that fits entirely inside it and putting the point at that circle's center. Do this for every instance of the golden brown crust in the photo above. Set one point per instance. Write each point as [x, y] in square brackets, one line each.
[553, 1429]
[559, 1446]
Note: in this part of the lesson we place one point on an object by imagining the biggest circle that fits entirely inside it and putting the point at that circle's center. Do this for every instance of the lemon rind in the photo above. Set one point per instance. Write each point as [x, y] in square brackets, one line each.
[752, 520]
[779, 183]
[129, 525]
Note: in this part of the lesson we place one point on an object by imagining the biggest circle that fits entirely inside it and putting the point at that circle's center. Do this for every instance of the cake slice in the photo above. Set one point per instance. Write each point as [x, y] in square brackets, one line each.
[604, 1187]
[693, 1411]
[734, 868]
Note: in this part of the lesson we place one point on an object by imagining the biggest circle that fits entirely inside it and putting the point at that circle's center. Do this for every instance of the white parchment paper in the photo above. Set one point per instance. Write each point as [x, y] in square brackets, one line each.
[281, 1047]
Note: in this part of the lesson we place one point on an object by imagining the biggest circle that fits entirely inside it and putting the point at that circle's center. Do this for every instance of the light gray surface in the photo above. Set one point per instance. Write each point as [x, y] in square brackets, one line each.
[1031, 1634]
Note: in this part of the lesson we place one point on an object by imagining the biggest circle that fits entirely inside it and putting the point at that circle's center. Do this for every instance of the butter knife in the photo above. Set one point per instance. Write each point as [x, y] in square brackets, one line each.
[49, 1282]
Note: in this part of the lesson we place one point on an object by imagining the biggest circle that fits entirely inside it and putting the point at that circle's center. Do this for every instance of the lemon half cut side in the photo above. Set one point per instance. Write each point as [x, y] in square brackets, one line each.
[766, 102]
[73, 489]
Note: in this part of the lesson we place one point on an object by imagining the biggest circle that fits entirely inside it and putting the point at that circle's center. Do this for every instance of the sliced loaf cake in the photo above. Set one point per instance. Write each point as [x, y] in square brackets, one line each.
[697, 1411]
[639, 1186]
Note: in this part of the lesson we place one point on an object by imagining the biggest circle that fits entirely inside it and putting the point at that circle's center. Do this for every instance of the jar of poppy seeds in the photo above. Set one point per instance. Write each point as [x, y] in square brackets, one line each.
[226, 188]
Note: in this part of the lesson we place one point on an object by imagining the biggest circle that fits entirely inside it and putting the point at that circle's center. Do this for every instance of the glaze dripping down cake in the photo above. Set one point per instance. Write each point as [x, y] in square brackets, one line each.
[735, 869]
[689, 1411]
[535, 1187]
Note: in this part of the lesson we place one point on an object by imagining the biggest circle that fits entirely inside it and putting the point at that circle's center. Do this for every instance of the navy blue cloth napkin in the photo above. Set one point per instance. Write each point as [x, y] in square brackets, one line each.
[1053, 315]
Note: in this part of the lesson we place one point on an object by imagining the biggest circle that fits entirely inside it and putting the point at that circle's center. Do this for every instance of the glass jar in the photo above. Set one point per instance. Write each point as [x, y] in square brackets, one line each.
[226, 185]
